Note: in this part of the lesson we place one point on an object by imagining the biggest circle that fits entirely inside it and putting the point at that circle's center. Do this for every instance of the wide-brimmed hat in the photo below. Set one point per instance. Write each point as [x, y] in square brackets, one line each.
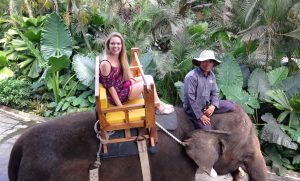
[206, 55]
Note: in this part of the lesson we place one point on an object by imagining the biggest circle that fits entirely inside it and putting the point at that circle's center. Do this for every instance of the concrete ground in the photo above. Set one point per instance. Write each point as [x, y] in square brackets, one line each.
[13, 123]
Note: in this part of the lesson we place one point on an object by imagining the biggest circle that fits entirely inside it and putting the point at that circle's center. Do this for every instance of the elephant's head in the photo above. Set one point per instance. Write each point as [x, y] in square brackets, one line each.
[205, 147]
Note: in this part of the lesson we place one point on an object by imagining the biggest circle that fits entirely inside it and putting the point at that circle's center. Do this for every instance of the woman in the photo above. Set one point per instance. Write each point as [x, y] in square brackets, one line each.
[116, 77]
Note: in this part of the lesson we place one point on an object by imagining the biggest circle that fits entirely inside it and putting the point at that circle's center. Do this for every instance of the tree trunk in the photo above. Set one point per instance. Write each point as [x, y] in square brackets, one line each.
[28, 8]
[12, 7]
[56, 6]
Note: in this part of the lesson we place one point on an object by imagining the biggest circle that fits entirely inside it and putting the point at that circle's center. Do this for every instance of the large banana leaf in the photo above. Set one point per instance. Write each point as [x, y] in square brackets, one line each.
[56, 38]
[290, 85]
[272, 133]
[229, 73]
[277, 75]
[84, 66]
[258, 83]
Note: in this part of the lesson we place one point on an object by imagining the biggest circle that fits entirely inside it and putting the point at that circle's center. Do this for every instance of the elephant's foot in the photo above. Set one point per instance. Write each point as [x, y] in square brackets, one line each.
[238, 175]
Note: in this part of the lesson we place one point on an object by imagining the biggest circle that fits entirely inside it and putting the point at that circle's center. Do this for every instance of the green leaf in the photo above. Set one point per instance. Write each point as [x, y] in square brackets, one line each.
[65, 106]
[92, 99]
[272, 133]
[296, 159]
[258, 83]
[180, 90]
[294, 134]
[290, 85]
[52, 105]
[84, 66]
[5, 73]
[3, 59]
[229, 73]
[31, 47]
[280, 98]
[148, 64]
[282, 116]
[241, 97]
[33, 34]
[78, 101]
[34, 70]
[59, 106]
[59, 63]
[56, 38]
[295, 103]
[277, 75]
[97, 20]
[294, 34]
[25, 63]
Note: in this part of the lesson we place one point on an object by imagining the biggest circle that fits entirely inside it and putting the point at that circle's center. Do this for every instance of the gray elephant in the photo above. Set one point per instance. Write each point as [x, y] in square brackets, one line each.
[64, 148]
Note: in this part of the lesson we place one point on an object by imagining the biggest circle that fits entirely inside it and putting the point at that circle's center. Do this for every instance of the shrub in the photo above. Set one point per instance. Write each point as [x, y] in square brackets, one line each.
[15, 93]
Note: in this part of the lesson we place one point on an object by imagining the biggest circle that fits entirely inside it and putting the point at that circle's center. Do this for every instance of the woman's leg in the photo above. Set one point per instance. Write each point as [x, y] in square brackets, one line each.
[137, 89]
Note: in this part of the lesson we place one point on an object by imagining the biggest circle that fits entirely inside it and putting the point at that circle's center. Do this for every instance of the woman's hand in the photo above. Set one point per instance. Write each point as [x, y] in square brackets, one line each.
[209, 111]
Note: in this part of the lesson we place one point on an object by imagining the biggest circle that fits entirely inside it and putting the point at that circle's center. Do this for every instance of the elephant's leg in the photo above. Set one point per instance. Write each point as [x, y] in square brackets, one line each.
[256, 169]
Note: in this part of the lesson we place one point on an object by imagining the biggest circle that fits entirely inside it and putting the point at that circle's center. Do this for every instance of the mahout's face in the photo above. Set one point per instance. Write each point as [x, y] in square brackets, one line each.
[207, 65]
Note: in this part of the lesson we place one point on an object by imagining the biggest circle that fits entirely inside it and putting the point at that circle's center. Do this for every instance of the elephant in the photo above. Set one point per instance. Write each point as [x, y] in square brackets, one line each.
[63, 149]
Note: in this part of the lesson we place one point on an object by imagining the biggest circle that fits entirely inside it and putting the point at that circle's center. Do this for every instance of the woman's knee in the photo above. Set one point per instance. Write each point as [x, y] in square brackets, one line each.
[149, 79]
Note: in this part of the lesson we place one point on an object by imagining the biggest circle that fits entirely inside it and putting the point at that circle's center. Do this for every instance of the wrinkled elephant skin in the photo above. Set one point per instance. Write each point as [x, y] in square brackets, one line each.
[64, 148]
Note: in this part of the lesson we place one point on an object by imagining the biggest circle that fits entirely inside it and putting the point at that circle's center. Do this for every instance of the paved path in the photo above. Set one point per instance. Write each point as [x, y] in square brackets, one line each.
[13, 123]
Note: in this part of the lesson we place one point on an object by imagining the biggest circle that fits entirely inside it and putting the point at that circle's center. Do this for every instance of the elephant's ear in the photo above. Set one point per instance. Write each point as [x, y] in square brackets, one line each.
[203, 148]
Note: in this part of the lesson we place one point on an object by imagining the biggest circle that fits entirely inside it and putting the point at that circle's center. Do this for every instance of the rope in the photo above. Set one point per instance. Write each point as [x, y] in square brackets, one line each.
[170, 134]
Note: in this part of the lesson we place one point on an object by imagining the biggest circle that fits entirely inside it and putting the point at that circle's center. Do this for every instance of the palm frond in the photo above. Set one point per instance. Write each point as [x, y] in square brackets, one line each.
[248, 8]
[254, 33]
[294, 34]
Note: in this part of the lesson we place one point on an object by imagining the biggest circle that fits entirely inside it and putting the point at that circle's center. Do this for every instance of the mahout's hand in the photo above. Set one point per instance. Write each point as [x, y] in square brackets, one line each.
[205, 120]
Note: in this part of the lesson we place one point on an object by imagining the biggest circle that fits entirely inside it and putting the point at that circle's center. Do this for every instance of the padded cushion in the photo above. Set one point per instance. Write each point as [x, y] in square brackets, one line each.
[103, 97]
[134, 115]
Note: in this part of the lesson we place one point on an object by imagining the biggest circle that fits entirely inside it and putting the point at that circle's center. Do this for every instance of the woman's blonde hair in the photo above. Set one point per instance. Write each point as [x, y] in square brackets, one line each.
[122, 57]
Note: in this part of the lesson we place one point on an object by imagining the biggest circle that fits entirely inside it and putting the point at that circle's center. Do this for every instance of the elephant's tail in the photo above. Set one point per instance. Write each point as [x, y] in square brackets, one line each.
[14, 162]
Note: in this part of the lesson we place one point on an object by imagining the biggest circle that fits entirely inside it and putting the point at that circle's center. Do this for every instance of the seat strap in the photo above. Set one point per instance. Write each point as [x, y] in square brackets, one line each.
[144, 160]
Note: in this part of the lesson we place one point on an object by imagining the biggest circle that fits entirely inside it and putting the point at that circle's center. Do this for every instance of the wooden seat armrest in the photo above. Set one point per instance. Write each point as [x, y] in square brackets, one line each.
[122, 108]
[134, 68]
[97, 84]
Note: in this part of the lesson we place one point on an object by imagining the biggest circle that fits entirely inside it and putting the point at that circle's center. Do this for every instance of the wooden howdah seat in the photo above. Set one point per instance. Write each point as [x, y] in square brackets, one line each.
[137, 113]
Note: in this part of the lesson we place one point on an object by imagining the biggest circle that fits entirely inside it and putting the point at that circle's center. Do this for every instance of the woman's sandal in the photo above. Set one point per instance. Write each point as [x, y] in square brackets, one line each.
[165, 104]
[165, 109]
